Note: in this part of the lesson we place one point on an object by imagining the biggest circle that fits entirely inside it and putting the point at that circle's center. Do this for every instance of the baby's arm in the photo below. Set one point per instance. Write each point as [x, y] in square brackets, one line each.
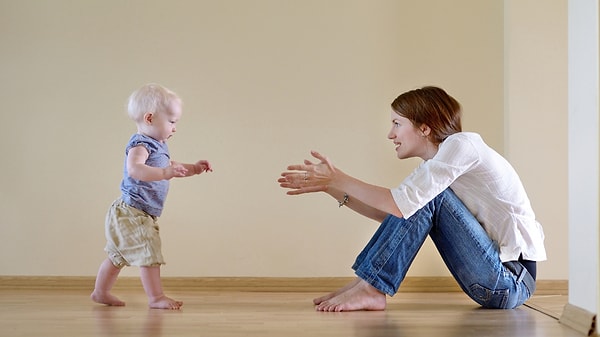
[137, 168]
[197, 168]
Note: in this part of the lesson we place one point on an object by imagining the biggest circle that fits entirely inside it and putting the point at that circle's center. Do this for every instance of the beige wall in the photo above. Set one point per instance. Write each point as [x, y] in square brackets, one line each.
[536, 115]
[263, 83]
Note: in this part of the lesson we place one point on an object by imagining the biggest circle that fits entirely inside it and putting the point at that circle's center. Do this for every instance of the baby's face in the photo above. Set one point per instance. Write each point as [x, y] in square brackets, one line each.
[163, 124]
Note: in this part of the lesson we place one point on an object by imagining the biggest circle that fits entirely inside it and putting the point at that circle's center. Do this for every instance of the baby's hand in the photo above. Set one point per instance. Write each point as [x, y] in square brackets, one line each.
[175, 170]
[202, 166]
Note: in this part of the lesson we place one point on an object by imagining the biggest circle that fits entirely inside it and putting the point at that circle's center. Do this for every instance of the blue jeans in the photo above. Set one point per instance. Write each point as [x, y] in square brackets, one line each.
[470, 255]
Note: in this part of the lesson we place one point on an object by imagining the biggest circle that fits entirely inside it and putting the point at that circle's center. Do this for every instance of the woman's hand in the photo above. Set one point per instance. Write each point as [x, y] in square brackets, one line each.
[308, 177]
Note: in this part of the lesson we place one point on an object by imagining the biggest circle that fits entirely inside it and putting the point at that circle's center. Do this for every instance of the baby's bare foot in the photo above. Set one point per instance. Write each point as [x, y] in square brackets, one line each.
[164, 302]
[362, 296]
[106, 298]
[321, 299]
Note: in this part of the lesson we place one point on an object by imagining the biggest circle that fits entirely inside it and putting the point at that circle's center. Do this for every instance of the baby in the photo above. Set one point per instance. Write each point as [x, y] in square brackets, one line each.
[131, 228]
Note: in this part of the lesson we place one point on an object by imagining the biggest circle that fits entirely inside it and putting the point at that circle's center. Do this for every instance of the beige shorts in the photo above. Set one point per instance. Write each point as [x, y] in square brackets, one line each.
[132, 237]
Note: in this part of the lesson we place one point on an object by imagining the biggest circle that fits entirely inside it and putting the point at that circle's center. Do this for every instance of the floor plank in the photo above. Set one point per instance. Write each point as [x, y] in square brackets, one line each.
[226, 313]
[551, 305]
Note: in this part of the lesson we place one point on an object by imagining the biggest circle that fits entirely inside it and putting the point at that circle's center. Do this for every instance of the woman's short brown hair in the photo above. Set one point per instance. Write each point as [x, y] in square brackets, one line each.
[431, 106]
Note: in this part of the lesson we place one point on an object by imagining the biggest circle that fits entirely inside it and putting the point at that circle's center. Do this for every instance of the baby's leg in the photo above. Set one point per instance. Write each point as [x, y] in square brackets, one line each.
[107, 276]
[153, 288]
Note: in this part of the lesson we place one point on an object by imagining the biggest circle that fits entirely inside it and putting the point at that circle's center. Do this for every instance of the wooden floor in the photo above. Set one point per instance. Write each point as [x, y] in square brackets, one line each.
[230, 313]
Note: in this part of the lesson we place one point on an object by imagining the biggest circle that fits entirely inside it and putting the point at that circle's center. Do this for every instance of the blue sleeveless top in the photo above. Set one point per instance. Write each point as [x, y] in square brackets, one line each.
[148, 196]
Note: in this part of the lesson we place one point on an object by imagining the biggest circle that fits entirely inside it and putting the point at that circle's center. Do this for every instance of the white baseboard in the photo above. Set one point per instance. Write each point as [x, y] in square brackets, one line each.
[579, 319]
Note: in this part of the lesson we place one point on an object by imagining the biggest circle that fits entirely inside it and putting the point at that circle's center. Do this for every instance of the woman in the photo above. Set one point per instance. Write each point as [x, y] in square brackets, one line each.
[464, 195]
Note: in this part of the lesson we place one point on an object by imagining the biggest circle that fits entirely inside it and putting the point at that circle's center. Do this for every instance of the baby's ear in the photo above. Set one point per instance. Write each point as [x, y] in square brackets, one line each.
[148, 116]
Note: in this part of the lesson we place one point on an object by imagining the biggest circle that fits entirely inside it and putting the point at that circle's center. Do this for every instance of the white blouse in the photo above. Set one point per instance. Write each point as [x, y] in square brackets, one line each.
[488, 186]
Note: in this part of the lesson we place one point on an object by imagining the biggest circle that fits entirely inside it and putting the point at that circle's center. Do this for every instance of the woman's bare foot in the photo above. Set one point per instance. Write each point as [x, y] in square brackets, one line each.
[106, 298]
[319, 300]
[164, 302]
[362, 296]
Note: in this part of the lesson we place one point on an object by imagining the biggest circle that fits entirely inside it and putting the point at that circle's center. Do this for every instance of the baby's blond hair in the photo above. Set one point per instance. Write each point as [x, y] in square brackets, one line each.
[150, 98]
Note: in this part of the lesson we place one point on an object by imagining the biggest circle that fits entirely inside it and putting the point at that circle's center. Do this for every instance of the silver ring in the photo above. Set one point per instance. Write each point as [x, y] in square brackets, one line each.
[305, 175]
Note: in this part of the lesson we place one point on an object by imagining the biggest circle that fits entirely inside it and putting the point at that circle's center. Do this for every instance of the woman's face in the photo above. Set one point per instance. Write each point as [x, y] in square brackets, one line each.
[409, 140]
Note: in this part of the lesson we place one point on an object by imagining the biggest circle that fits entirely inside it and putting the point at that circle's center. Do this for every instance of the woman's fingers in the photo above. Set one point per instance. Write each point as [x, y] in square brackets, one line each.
[319, 156]
[308, 189]
[308, 177]
[297, 167]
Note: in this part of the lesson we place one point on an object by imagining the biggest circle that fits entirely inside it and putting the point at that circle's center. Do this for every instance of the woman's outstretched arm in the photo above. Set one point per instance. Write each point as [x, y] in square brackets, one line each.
[369, 200]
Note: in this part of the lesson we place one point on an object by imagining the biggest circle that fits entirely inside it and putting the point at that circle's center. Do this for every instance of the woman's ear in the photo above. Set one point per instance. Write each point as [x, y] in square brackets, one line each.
[425, 130]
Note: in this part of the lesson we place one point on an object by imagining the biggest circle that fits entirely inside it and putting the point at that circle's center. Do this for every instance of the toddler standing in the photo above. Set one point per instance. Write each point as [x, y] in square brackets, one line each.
[131, 228]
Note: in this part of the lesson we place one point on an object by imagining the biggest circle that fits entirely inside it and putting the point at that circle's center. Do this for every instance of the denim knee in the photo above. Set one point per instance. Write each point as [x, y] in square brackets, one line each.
[509, 295]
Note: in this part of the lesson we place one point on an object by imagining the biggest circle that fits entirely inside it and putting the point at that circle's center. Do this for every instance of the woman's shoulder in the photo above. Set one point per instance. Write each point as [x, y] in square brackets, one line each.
[462, 139]
[464, 136]
[461, 147]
